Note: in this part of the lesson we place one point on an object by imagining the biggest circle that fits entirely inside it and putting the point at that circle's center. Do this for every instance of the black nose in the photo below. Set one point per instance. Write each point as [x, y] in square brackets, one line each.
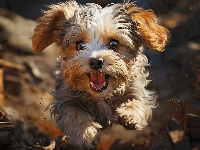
[96, 63]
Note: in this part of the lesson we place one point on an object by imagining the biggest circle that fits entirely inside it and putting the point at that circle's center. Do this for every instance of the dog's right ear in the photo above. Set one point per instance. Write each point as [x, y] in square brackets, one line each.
[44, 32]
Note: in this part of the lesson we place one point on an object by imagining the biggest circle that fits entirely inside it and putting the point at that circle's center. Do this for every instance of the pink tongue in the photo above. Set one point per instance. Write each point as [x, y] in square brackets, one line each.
[98, 80]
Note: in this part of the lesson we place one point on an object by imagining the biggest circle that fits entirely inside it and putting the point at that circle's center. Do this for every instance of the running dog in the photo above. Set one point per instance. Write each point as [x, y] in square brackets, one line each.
[101, 78]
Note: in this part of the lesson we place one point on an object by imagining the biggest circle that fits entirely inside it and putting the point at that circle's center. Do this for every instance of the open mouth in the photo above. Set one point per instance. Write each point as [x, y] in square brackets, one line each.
[98, 81]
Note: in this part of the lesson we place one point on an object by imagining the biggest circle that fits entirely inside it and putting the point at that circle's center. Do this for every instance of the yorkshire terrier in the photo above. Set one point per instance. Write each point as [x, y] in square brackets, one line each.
[101, 78]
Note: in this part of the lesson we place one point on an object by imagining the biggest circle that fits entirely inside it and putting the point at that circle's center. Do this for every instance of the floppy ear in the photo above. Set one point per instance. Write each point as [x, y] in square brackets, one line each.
[154, 35]
[44, 32]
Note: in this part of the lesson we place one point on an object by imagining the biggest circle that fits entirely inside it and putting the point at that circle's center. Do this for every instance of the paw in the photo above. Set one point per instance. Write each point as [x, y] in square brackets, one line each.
[126, 122]
[133, 115]
[91, 135]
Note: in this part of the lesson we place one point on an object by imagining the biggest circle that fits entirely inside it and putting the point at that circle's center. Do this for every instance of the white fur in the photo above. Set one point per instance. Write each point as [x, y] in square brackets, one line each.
[141, 101]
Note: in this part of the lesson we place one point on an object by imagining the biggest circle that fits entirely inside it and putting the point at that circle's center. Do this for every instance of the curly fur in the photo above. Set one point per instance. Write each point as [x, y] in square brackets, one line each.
[79, 110]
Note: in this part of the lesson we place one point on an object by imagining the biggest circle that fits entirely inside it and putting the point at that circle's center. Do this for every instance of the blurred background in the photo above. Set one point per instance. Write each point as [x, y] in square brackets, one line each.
[26, 78]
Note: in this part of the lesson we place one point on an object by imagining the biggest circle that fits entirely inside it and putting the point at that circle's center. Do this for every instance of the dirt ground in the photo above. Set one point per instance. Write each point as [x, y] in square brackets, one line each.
[27, 77]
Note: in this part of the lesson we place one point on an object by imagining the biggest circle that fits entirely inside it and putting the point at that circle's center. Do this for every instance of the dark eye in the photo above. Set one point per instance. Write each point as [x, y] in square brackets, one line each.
[113, 44]
[80, 45]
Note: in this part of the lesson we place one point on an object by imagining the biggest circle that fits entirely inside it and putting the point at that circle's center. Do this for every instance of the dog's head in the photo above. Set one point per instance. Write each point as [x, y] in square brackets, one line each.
[98, 45]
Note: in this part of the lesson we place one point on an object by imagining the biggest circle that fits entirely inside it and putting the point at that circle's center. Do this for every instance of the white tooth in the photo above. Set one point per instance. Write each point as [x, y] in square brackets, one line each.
[104, 84]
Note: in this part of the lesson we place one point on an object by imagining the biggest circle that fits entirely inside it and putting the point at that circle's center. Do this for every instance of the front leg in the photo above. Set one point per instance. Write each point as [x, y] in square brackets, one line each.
[133, 115]
[78, 125]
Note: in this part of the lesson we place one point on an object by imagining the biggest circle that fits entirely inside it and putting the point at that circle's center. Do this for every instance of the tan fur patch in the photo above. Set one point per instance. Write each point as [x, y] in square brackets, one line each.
[44, 32]
[154, 35]
[69, 52]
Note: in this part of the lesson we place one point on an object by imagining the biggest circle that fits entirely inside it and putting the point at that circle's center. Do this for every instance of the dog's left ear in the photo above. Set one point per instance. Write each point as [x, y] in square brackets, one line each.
[154, 35]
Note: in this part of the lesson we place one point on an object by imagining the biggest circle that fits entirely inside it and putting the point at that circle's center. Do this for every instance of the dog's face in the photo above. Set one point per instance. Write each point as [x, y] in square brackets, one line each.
[98, 45]
[100, 48]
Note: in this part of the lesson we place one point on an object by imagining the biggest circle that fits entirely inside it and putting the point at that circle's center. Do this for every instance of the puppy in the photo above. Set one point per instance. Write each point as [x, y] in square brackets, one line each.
[101, 78]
